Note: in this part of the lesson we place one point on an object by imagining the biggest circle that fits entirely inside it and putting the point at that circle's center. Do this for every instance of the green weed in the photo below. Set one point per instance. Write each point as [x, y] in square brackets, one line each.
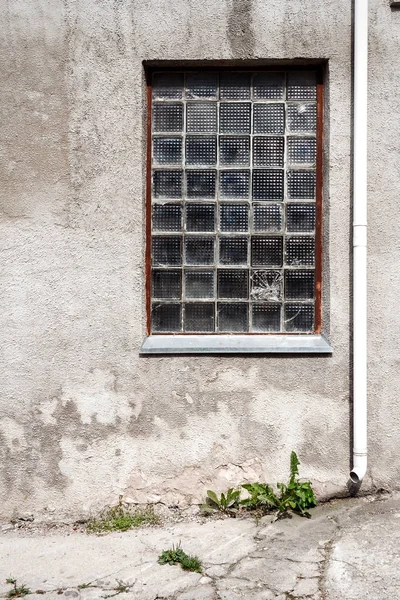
[121, 518]
[225, 503]
[17, 591]
[177, 556]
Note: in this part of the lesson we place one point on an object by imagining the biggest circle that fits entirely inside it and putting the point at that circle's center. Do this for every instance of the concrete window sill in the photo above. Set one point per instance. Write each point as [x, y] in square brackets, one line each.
[236, 344]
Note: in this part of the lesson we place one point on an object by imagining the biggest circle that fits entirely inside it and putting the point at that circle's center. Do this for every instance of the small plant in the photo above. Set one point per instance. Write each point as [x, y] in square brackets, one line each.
[17, 591]
[121, 518]
[296, 496]
[120, 588]
[225, 503]
[177, 556]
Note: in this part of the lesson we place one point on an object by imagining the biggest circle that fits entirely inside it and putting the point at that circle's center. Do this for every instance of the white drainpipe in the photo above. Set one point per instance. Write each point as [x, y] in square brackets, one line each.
[360, 242]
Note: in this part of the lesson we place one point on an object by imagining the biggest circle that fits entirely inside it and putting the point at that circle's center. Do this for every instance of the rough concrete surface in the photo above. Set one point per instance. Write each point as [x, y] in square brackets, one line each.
[348, 550]
[84, 418]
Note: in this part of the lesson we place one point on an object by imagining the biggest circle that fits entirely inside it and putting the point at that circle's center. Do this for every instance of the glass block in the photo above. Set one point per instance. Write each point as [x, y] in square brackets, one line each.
[201, 117]
[199, 284]
[199, 250]
[234, 86]
[200, 217]
[199, 317]
[167, 85]
[167, 250]
[268, 184]
[301, 184]
[201, 85]
[233, 283]
[268, 86]
[167, 117]
[167, 217]
[267, 286]
[166, 283]
[234, 217]
[299, 317]
[200, 184]
[166, 317]
[167, 184]
[301, 118]
[234, 150]
[167, 151]
[233, 250]
[234, 117]
[267, 251]
[268, 151]
[300, 251]
[302, 85]
[299, 285]
[302, 150]
[300, 217]
[201, 150]
[266, 317]
[269, 118]
[267, 218]
[233, 316]
[235, 184]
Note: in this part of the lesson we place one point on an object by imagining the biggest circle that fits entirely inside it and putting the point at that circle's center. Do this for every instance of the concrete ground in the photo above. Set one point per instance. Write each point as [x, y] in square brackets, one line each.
[348, 550]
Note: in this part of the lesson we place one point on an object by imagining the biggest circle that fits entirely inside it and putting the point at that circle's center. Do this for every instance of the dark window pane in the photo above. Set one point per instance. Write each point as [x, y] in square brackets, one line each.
[233, 250]
[300, 251]
[166, 283]
[234, 217]
[268, 151]
[299, 285]
[201, 150]
[300, 217]
[301, 184]
[268, 86]
[199, 251]
[201, 117]
[302, 85]
[267, 251]
[301, 151]
[233, 316]
[167, 117]
[200, 217]
[302, 118]
[268, 184]
[234, 86]
[167, 151]
[201, 85]
[267, 218]
[234, 117]
[234, 151]
[166, 317]
[167, 85]
[269, 118]
[233, 283]
[167, 250]
[167, 217]
[266, 317]
[235, 184]
[200, 184]
[299, 317]
[199, 317]
[267, 285]
[167, 184]
[199, 284]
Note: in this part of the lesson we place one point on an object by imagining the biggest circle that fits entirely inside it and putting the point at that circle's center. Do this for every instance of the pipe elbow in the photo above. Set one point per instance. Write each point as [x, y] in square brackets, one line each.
[359, 469]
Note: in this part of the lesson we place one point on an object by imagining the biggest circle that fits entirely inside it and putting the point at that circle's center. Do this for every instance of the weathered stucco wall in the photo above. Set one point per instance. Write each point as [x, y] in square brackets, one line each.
[83, 417]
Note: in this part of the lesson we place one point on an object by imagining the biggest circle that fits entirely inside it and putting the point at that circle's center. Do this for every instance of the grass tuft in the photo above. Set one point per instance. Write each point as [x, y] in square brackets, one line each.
[17, 591]
[122, 518]
[176, 556]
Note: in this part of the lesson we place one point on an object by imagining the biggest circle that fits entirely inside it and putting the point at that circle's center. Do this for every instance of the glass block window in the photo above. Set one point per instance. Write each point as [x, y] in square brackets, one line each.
[234, 202]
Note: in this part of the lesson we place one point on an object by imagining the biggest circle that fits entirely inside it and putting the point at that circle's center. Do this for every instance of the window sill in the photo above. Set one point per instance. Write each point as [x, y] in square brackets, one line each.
[236, 344]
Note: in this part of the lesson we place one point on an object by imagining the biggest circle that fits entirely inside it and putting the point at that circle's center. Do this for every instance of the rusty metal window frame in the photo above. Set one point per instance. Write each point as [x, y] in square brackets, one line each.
[166, 341]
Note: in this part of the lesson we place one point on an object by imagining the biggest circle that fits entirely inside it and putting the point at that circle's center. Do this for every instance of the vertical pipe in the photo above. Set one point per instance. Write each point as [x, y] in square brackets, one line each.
[360, 241]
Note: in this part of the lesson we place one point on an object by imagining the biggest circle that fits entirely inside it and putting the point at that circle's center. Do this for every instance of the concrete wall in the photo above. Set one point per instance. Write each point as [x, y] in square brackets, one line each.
[83, 417]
